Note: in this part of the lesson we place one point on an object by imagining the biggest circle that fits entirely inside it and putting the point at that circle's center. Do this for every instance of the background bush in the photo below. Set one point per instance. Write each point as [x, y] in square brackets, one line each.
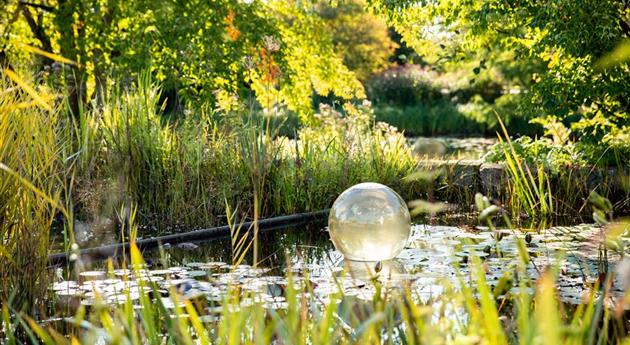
[423, 102]
[404, 85]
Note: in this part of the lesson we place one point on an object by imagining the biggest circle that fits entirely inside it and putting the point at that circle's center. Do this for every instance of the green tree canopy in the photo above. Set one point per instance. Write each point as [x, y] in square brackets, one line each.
[360, 37]
[205, 50]
[556, 44]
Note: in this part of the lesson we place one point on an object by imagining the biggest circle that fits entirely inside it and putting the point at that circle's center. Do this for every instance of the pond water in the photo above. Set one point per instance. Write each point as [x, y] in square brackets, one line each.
[451, 147]
[434, 257]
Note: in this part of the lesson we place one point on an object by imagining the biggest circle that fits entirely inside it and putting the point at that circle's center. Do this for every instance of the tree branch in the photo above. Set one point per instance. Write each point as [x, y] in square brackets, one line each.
[38, 31]
[40, 6]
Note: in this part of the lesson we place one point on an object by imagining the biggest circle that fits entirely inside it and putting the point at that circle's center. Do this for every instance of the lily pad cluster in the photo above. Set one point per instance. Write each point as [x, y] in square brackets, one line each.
[437, 258]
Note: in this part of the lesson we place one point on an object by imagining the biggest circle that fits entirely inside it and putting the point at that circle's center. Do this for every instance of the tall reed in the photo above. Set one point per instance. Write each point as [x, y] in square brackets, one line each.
[32, 181]
[530, 189]
[180, 173]
[258, 152]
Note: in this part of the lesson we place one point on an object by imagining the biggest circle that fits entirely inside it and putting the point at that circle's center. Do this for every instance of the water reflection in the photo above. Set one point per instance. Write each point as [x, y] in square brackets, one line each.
[280, 249]
[436, 258]
[391, 272]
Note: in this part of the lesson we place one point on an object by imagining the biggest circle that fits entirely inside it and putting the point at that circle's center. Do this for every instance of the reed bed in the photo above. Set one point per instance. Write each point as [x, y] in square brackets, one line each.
[181, 173]
[60, 168]
[33, 180]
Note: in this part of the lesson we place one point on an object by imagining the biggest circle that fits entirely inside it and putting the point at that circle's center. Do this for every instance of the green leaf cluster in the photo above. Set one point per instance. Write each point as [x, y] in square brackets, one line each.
[207, 51]
[558, 52]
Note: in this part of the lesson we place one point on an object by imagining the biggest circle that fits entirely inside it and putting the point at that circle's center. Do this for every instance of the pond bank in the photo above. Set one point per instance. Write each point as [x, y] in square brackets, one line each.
[460, 180]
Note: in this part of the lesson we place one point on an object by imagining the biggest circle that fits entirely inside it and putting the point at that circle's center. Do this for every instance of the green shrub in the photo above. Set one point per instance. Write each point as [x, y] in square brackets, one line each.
[422, 102]
[437, 118]
[541, 151]
[506, 107]
[489, 90]
[559, 147]
[403, 86]
[446, 118]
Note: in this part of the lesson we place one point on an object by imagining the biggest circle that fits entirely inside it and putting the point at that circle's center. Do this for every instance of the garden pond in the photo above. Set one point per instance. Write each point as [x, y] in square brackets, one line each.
[435, 257]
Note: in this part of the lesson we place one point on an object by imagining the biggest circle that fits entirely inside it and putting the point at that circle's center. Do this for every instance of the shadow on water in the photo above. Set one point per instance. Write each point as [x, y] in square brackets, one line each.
[306, 243]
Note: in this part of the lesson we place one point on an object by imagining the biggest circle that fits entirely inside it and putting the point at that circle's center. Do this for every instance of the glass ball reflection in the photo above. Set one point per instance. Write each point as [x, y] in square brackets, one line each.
[385, 271]
[369, 222]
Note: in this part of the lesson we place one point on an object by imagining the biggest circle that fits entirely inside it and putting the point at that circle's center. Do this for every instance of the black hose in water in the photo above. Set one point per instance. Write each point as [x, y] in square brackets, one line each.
[112, 250]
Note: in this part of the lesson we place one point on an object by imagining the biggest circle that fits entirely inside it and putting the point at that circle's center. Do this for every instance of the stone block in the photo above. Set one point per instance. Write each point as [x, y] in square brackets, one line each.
[465, 174]
[493, 179]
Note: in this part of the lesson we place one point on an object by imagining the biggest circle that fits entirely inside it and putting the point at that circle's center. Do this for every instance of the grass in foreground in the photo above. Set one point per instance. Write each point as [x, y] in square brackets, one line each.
[465, 313]
[468, 314]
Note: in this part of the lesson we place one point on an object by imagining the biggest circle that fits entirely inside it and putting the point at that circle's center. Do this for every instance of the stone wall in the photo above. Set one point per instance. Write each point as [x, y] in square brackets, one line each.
[460, 180]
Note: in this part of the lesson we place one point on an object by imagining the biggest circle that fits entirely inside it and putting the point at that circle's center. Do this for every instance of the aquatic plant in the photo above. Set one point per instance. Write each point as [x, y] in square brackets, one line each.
[529, 187]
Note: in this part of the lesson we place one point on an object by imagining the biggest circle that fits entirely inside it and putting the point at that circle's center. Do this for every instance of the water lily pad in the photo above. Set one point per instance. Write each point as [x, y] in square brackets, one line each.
[92, 274]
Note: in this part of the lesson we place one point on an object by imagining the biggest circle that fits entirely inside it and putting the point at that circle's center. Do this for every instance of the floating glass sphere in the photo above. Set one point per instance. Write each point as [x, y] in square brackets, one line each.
[369, 222]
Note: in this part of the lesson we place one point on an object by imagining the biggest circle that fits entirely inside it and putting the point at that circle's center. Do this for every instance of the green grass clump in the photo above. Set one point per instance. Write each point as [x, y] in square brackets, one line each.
[529, 186]
[32, 181]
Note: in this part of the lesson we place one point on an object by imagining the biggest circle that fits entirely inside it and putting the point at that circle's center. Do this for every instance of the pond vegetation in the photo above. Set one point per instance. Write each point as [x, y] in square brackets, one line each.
[123, 121]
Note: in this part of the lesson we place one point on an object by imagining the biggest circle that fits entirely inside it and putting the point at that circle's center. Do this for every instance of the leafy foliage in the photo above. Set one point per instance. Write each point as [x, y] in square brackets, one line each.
[360, 37]
[553, 46]
[404, 85]
[424, 101]
[199, 50]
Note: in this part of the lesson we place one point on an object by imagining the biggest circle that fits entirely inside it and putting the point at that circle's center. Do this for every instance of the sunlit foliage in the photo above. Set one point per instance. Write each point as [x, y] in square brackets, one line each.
[555, 45]
[361, 37]
[199, 50]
